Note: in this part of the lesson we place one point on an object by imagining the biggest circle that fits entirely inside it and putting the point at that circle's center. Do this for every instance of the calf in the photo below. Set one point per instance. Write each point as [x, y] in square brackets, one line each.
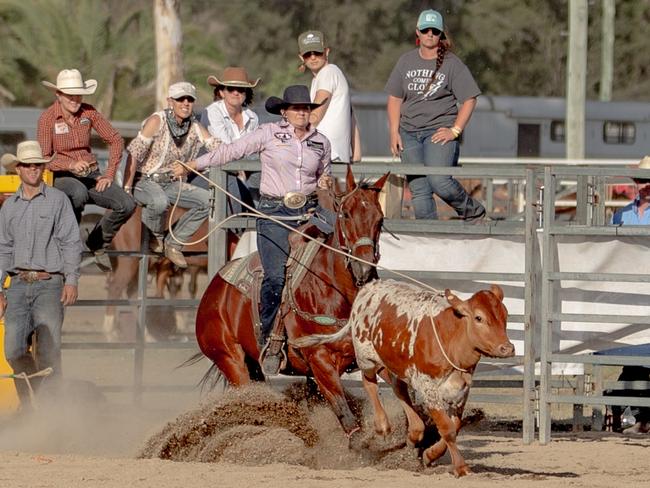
[426, 341]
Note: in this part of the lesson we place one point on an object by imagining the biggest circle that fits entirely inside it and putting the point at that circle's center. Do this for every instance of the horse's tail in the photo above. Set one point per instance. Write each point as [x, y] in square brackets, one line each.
[317, 339]
[192, 360]
[212, 376]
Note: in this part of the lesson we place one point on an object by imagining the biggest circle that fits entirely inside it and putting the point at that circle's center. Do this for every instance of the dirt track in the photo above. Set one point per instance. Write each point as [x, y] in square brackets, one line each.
[258, 438]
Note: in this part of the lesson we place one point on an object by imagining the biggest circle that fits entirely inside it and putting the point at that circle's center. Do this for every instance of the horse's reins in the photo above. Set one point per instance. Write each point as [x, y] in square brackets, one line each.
[256, 213]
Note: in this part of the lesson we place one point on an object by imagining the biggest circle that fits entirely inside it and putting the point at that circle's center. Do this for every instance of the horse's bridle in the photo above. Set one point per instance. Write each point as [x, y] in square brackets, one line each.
[344, 241]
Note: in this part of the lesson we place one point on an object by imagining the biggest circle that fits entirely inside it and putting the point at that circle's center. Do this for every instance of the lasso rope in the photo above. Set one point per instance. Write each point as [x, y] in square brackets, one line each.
[27, 377]
[256, 213]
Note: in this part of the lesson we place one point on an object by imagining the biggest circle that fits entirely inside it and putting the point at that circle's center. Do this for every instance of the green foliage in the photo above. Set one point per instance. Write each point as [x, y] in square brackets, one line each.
[512, 48]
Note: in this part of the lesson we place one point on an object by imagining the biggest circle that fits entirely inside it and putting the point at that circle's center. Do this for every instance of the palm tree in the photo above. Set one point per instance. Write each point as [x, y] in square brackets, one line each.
[109, 41]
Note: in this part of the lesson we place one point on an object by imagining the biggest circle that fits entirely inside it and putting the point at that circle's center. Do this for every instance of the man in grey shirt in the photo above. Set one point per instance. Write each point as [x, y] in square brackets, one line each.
[40, 250]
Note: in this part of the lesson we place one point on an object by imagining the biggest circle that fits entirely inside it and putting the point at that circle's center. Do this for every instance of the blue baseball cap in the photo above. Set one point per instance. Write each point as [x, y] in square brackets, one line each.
[430, 18]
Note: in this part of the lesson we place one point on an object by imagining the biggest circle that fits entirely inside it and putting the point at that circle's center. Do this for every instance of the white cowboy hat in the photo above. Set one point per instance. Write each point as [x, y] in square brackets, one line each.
[69, 81]
[28, 152]
[643, 164]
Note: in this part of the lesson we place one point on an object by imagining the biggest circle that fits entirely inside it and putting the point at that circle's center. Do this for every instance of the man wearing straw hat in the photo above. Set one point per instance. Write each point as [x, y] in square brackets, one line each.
[64, 133]
[40, 250]
[637, 212]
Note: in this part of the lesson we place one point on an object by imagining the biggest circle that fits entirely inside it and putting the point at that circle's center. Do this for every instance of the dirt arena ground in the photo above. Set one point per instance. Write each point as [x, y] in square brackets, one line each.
[257, 437]
[265, 437]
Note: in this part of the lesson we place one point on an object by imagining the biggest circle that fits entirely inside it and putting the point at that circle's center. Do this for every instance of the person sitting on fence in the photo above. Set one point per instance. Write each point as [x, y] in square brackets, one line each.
[228, 118]
[637, 212]
[166, 136]
[64, 135]
[40, 248]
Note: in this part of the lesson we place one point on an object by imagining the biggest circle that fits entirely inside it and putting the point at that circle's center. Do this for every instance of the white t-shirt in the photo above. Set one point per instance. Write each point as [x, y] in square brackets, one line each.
[336, 125]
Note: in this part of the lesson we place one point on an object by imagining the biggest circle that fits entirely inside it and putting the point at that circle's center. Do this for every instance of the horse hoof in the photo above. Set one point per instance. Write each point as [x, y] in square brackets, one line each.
[462, 471]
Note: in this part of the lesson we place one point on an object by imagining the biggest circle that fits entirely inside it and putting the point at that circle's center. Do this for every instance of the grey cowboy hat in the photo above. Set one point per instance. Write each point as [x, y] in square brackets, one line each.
[293, 95]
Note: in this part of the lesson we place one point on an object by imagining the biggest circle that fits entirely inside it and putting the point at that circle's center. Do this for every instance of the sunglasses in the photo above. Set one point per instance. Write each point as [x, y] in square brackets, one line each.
[184, 99]
[311, 53]
[433, 30]
[30, 165]
[237, 89]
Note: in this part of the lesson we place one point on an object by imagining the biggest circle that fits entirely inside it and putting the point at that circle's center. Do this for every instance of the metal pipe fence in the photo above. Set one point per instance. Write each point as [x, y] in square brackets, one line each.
[533, 221]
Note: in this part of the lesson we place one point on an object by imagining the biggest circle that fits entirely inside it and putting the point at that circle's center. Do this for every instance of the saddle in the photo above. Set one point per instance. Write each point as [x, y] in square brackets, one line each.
[246, 275]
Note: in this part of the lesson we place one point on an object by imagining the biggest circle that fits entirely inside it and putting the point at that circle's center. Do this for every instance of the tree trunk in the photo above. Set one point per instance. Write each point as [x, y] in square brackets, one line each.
[169, 39]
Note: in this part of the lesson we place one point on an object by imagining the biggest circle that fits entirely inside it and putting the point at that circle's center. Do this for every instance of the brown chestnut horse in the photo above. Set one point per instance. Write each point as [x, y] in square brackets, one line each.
[224, 320]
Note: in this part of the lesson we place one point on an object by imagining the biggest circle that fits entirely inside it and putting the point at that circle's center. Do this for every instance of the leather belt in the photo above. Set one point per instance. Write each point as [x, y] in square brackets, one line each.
[293, 200]
[30, 276]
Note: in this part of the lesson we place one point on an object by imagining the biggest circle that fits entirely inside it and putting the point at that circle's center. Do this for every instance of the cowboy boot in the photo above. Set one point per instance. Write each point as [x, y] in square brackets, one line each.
[272, 357]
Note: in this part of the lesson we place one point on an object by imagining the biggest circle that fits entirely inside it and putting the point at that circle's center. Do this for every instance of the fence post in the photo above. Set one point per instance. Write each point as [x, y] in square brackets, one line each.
[217, 239]
[531, 287]
[546, 329]
[138, 360]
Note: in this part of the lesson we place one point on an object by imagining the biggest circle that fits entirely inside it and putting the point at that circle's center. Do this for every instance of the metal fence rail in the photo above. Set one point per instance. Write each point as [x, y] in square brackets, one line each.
[539, 276]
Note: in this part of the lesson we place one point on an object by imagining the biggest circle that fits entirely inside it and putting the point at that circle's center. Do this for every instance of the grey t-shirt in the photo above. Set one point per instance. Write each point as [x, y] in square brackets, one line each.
[437, 107]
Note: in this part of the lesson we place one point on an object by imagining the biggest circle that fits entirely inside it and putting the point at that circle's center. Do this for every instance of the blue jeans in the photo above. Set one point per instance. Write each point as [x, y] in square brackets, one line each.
[33, 308]
[273, 248]
[156, 197]
[418, 149]
[81, 191]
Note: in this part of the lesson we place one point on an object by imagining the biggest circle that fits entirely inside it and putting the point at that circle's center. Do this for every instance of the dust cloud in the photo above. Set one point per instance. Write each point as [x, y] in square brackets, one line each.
[256, 426]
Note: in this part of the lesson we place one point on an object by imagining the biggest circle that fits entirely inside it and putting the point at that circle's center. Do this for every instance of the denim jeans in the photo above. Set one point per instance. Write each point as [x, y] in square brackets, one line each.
[81, 191]
[156, 197]
[273, 248]
[33, 308]
[418, 149]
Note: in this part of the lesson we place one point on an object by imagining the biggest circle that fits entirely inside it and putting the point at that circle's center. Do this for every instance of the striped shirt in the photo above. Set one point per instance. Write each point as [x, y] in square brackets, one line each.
[71, 141]
[40, 234]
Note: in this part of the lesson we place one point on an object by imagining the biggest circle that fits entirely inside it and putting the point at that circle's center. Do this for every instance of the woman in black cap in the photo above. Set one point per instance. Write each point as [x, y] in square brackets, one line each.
[295, 161]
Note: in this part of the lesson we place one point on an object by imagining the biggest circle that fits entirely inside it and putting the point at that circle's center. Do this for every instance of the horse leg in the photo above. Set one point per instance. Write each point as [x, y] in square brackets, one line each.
[415, 423]
[329, 384]
[382, 426]
[448, 428]
[232, 364]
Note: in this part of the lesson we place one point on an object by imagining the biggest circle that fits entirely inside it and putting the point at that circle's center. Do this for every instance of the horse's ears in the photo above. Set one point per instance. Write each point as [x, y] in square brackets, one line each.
[349, 180]
[379, 184]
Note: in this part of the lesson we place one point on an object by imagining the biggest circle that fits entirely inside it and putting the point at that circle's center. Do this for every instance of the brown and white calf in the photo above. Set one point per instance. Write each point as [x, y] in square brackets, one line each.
[429, 342]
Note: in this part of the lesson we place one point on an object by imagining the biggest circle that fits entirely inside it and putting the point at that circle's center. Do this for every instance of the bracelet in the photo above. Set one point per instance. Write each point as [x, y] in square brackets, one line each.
[456, 131]
[127, 187]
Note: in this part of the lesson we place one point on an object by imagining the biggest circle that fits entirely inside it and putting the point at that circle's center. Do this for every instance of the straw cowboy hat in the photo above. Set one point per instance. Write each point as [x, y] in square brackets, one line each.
[28, 152]
[293, 95]
[233, 76]
[643, 164]
[69, 81]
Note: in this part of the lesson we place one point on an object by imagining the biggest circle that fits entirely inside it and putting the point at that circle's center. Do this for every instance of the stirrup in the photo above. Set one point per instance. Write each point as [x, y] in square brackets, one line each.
[273, 358]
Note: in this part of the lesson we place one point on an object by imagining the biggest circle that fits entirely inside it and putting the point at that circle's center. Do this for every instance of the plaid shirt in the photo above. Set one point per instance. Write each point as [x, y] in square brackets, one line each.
[71, 143]
[40, 234]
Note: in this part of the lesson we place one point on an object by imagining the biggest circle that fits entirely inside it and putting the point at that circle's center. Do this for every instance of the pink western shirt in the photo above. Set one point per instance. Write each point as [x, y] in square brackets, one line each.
[288, 163]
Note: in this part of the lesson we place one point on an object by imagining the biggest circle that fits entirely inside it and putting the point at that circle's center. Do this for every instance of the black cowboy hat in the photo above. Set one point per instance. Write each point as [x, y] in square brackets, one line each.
[293, 95]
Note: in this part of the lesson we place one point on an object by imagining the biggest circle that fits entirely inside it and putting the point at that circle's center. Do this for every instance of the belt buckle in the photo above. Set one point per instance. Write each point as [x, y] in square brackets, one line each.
[87, 171]
[294, 200]
[31, 276]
